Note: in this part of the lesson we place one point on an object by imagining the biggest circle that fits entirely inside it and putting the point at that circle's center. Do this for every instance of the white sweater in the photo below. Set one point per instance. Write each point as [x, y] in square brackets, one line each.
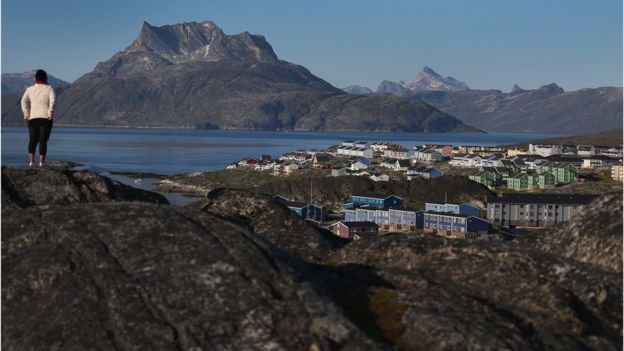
[41, 98]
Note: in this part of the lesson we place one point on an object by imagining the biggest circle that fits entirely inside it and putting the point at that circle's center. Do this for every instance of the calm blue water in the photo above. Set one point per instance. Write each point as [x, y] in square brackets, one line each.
[180, 151]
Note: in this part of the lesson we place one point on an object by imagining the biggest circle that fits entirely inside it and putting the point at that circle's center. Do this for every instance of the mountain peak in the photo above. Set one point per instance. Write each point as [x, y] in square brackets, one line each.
[429, 70]
[14, 82]
[161, 46]
[516, 88]
[428, 79]
[551, 88]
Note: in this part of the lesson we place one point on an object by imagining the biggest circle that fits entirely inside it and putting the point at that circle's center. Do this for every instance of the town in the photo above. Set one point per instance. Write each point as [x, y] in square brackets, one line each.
[531, 188]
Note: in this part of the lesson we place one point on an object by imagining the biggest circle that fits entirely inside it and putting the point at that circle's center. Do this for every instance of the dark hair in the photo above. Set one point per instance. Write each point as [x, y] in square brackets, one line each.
[41, 75]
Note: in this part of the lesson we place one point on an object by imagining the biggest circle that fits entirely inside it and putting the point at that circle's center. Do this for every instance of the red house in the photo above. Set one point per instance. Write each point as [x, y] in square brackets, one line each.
[355, 230]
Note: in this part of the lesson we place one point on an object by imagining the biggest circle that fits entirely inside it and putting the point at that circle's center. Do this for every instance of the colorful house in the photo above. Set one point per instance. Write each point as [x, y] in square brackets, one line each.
[616, 172]
[355, 230]
[521, 181]
[423, 172]
[388, 220]
[545, 180]
[454, 225]
[377, 200]
[462, 209]
[302, 209]
[564, 172]
[486, 178]
[509, 164]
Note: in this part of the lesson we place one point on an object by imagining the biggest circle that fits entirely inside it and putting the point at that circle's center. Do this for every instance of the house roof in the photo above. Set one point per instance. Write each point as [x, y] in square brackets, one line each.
[418, 168]
[351, 225]
[567, 199]
[490, 169]
[323, 158]
[375, 195]
[405, 163]
[450, 214]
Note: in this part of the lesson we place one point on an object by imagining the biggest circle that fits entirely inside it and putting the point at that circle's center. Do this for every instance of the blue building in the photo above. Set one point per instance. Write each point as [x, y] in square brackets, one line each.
[302, 209]
[388, 220]
[377, 200]
[461, 209]
[455, 225]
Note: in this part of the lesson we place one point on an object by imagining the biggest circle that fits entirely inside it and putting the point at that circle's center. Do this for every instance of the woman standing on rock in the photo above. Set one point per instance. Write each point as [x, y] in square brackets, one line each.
[38, 108]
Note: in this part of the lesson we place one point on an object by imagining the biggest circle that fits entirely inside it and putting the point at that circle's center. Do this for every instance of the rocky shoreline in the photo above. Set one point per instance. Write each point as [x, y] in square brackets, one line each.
[88, 263]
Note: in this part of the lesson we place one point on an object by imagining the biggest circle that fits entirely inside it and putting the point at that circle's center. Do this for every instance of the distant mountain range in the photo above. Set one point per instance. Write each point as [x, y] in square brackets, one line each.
[548, 109]
[192, 75]
[426, 80]
[18, 82]
[357, 89]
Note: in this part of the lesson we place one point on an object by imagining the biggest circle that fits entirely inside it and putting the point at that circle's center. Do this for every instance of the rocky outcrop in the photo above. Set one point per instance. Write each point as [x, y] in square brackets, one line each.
[60, 185]
[449, 295]
[272, 221]
[594, 236]
[144, 276]
[239, 271]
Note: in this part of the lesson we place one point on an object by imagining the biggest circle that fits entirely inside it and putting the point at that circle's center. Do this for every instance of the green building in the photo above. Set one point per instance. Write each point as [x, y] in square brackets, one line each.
[563, 172]
[486, 178]
[546, 180]
[521, 181]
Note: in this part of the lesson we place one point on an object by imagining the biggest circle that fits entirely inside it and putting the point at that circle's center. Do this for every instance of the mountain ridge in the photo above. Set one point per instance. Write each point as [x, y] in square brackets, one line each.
[192, 75]
[18, 82]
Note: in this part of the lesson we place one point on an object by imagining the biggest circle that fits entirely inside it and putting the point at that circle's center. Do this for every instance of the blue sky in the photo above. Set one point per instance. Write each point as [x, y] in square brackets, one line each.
[489, 44]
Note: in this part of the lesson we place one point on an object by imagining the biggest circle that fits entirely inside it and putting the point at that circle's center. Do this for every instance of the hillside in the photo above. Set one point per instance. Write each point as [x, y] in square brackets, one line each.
[547, 109]
[18, 82]
[611, 137]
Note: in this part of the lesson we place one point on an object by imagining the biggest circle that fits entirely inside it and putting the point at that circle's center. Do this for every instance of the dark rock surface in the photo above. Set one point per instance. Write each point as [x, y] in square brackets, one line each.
[133, 276]
[450, 295]
[272, 221]
[594, 236]
[237, 271]
[57, 185]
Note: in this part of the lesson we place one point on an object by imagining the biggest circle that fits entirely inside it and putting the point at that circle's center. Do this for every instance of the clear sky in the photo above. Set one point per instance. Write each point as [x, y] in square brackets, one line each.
[489, 44]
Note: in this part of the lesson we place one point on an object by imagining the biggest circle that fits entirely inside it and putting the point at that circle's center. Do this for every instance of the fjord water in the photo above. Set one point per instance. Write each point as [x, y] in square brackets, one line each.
[179, 151]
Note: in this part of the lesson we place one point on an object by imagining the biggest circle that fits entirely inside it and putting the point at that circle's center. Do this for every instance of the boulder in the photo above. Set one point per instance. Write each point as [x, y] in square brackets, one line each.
[60, 185]
[129, 276]
[594, 236]
[273, 221]
[454, 294]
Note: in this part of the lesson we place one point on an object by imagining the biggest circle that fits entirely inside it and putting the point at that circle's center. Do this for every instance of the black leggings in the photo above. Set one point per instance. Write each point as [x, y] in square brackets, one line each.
[39, 130]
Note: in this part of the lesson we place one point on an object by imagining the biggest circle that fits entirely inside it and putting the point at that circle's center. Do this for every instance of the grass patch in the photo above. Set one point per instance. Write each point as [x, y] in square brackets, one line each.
[377, 312]
[389, 312]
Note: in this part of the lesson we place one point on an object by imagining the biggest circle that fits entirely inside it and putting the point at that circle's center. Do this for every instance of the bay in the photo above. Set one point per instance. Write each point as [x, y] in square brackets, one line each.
[165, 151]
